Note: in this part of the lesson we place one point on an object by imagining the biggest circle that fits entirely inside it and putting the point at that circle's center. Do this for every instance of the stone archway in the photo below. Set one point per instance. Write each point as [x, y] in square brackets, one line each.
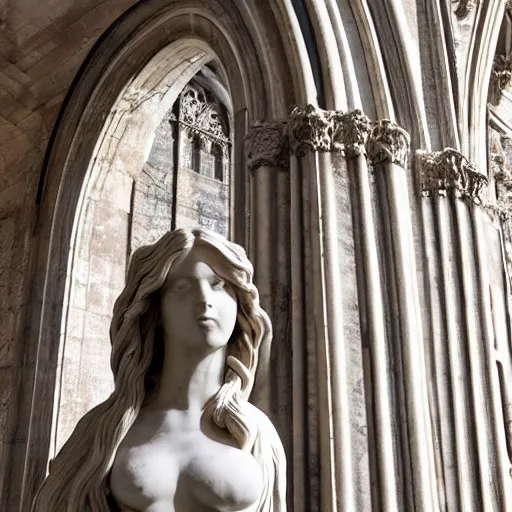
[131, 79]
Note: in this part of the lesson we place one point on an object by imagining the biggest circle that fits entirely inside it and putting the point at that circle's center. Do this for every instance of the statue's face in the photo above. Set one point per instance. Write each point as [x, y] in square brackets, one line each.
[198, 309]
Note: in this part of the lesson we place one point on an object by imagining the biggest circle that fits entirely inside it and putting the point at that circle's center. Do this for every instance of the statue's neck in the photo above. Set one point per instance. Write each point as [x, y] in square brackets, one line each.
[189, 378]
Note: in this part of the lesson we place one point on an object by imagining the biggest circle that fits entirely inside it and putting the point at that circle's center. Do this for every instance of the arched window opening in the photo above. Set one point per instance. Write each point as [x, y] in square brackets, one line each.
[202, 192]
[133, 203]
[217, 154]
[195, 163]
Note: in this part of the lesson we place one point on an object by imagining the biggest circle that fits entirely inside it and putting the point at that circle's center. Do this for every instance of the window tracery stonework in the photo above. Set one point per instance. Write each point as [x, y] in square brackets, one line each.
[200, 115]
[449, 170]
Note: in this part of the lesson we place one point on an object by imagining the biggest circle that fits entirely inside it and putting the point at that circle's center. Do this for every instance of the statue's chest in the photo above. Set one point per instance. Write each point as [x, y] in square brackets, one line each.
[184, 472]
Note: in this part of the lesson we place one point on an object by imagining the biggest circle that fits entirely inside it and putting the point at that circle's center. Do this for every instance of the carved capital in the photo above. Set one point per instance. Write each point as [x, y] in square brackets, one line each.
[310, 129]
[500, 77]
[449, 170]
[388, 143]
[350, 133]
[267, 145]
[464, 7]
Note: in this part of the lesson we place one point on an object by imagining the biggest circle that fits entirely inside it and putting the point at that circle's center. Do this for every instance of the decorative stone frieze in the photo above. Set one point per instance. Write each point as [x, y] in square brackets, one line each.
[388, 143]
[464, 7]
[449, 170]
[267, 145]
[500, 77]
[310, 129]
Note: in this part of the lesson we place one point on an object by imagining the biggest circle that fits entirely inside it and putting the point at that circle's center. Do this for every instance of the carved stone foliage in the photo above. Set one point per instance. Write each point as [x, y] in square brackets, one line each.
[501, 76]
[449, 170]
[310, 129]
[267, 145]
[388, 143]
[200, 115]
[350, 134]
[464, 7]
[315, 129]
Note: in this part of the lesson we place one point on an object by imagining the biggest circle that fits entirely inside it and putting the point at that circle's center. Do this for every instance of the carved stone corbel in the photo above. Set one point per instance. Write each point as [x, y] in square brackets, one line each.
[501, 76]
[449, 170]
[266, 144]
[310, 129]
[388, 143]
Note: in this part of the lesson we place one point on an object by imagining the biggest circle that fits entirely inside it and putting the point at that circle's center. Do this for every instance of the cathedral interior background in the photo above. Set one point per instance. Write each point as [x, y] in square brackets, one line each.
[359, 150]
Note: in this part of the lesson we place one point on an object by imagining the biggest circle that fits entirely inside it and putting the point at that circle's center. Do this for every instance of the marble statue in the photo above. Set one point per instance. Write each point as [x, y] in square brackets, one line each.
[178, 433]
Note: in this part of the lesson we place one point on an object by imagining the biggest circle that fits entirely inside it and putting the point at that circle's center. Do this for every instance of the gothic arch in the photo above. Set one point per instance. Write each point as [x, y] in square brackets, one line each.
[133, 73]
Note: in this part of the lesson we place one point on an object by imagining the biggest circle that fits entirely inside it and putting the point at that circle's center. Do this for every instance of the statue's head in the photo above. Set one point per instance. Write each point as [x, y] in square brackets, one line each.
[195, 287]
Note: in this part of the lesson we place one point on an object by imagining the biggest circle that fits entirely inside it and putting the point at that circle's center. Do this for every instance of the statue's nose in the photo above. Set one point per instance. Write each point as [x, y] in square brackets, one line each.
[204, 297]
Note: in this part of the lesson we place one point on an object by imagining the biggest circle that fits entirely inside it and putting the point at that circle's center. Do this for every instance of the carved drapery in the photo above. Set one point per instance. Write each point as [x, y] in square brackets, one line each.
[449, 170]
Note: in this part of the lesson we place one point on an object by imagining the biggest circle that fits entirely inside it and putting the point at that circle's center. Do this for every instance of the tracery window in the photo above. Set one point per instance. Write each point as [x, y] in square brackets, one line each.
[184, 182]
[194, 135]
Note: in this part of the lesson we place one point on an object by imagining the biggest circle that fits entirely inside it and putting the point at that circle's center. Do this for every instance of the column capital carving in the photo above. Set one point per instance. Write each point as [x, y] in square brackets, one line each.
[315, 129]
[350, 133]
[442, 171]
[310, 129]
[266, 144]
[388, 143]
[501, 76]
[464, 7]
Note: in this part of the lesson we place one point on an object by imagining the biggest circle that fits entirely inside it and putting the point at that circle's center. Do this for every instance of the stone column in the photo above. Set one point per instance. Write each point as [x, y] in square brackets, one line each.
[311, 141]
[472, 439]
[280, 382]
[388, 149]
[354, 129]
[267, 156]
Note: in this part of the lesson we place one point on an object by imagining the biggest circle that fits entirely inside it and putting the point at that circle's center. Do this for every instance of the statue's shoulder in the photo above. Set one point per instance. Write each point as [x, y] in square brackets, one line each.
[258, 417]
[269, 452]
[265, 427]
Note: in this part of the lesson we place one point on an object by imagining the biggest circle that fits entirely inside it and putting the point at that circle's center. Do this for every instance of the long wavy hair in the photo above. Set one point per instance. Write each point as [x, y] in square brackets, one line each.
[78, 477]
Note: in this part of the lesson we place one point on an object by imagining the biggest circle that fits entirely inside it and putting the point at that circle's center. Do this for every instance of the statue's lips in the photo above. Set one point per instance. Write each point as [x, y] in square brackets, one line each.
[206, 321]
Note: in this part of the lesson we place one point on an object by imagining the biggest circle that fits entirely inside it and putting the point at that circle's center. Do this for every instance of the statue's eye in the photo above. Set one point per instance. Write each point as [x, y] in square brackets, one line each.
[181, 285]
[218, 284]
